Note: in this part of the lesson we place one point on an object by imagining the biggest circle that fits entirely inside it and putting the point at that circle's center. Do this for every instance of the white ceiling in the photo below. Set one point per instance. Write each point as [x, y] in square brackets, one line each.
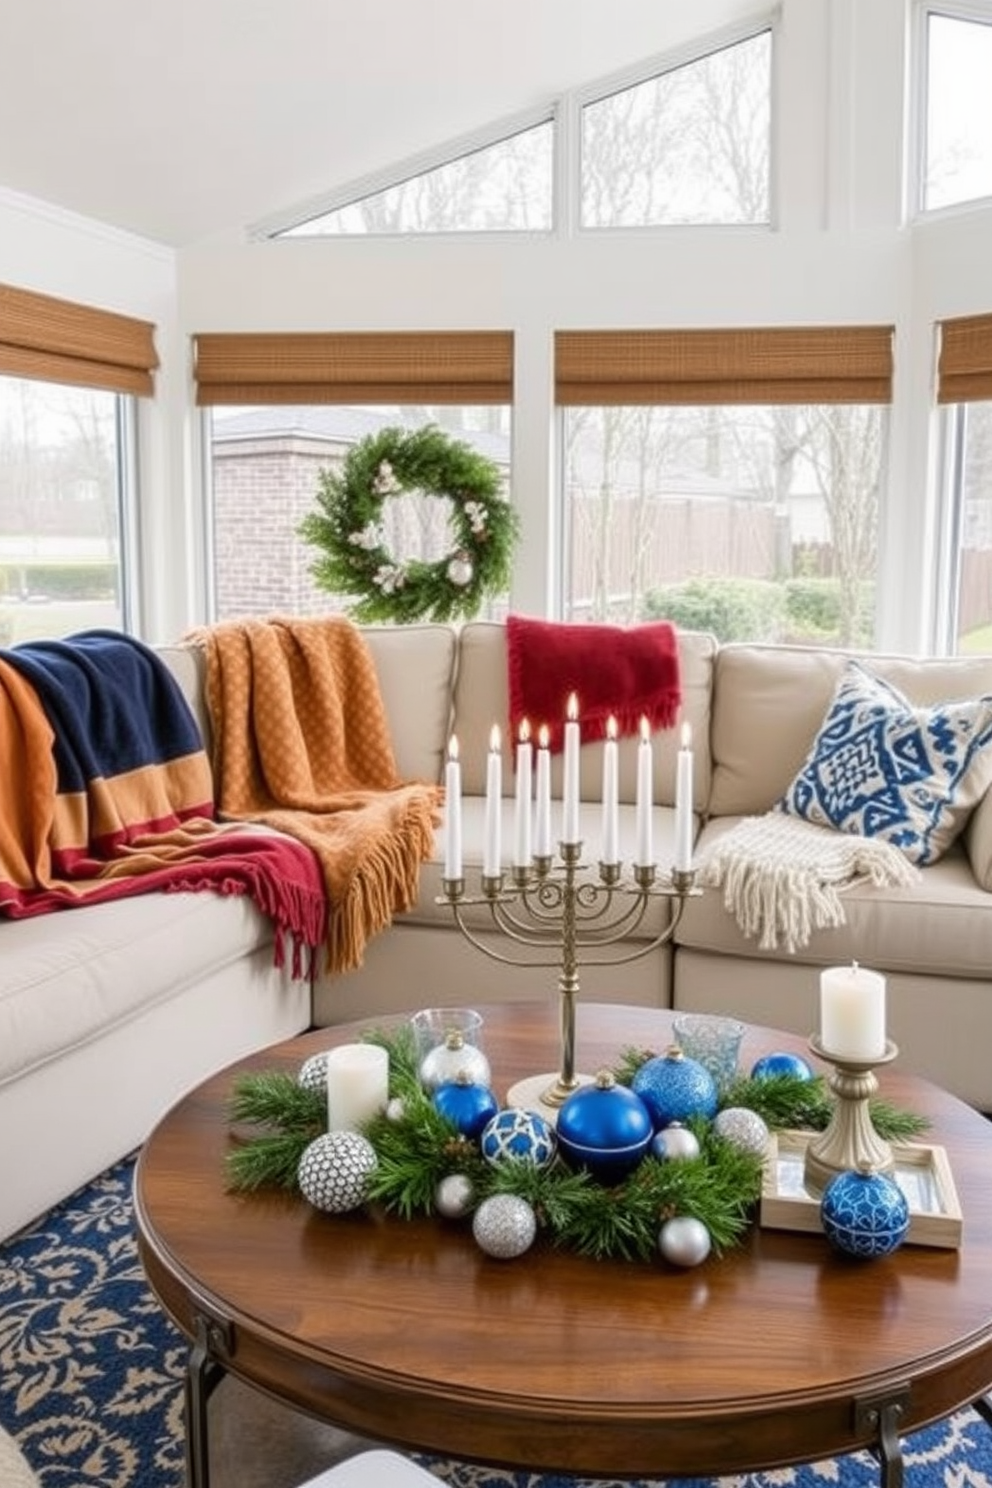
[184, 119]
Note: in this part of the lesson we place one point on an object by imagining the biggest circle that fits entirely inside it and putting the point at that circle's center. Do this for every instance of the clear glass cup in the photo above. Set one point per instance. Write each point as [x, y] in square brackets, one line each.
[714, 1042]
[431, 1027]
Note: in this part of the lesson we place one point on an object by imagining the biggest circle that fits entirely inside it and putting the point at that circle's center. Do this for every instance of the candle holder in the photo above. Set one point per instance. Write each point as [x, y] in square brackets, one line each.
[545, 905]
[850, 1144]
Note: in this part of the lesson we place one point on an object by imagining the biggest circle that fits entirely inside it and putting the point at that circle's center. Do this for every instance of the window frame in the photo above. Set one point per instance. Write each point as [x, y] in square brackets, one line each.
[961, 10]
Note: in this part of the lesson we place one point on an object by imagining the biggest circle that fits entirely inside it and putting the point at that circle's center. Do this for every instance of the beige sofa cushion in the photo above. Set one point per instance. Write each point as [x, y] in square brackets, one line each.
[482, 699]
[769, 702]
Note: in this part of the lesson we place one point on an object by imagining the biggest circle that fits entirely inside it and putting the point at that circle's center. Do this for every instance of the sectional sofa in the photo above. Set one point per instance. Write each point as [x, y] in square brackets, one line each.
[108, 1013]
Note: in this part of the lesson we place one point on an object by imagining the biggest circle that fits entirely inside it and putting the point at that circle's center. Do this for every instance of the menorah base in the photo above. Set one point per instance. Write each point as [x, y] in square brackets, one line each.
[545, 1094]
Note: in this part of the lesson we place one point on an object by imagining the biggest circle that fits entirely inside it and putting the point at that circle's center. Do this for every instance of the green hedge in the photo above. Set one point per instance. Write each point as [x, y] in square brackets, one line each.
[60, 580]
[799, 610]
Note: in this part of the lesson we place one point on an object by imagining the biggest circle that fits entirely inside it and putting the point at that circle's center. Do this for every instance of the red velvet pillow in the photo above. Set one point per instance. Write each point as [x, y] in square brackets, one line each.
[631, 672]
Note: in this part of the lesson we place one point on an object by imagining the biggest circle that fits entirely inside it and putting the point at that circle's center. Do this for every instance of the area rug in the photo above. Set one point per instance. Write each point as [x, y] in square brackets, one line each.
[91, 1385]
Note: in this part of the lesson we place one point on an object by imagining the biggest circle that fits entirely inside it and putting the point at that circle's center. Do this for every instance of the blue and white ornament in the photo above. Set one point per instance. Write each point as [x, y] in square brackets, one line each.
[781, 1063]
[334, 1171]
[517, 1133]
[675, 1088]
[864, 1214]
[504, 1226]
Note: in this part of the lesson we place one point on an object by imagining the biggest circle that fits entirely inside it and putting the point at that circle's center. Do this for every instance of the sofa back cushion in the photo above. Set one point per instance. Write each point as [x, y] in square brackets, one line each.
[481, 699]
[769, 703]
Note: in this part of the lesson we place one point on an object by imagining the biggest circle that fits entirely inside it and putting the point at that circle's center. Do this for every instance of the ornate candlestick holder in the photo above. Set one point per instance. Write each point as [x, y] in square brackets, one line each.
[850, 1144]
[546, 907]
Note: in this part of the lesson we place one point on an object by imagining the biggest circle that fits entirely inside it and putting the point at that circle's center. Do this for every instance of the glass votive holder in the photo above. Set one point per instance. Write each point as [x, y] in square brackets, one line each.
[432, 1026]
[714, 1042]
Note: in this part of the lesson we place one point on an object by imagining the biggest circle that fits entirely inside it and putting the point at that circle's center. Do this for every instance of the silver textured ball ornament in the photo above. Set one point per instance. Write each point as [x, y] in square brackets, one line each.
[313, 1072]
[454, 1196]
[443, 1064]
[395, 1108]
[515, 1133]
[675, 1143]
[742, 1128]
[684, 1241]
[334, 1171]
[504, 1226]
[460, 571]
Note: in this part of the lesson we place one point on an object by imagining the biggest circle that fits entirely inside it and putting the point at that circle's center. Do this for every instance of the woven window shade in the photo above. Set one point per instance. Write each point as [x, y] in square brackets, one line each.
[830, 364]
[964, 368]
[355, 367]
[60, 341]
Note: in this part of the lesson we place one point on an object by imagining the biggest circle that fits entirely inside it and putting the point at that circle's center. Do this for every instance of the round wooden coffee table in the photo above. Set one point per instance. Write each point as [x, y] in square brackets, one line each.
[782, 1351]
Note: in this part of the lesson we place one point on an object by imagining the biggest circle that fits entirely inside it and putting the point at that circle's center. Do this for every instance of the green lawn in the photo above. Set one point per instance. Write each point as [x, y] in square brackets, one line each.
[52, 618]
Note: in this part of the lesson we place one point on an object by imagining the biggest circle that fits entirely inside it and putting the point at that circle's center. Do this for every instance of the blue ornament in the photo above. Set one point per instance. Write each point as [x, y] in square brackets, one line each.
[516, 1133]
[781, 1064]
[864, 1214]
[604, 1128]
[675, 1088]
[466, 1105]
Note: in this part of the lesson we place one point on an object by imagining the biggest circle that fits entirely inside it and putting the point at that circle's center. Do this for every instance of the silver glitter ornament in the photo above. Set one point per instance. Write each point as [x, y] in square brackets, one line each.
[742, 1128]
[454, 1195]
[443, 1064]
[334, 1171]
[504, 1226]
[313, 1072]
[460, 570]
[684, 1241]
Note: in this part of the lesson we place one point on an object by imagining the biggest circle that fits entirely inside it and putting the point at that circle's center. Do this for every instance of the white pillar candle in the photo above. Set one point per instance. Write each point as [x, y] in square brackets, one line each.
[542, 822]
[522, 823]
[492, 847]
[645, 798]
[357, 1085]
[453, 812]
[611, 817]
[683, 803]
[852, 1012]
[570, 791]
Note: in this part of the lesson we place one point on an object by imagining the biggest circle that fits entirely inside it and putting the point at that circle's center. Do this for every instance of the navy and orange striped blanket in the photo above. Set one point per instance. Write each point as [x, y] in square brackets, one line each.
[106, 791]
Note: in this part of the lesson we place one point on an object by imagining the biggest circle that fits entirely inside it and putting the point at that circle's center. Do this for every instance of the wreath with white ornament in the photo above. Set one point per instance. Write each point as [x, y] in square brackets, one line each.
[348, 529]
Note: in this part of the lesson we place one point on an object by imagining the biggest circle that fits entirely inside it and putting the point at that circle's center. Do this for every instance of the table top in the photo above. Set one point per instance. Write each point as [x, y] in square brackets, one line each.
[408, 1332]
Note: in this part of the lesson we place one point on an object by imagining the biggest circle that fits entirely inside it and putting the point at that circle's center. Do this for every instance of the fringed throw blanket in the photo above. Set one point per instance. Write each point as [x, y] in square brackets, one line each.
[782, 877]
[302, 742]
[105, 791]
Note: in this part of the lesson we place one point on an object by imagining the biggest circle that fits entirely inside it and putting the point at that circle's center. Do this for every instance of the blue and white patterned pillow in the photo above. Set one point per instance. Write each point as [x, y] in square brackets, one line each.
[880, 767]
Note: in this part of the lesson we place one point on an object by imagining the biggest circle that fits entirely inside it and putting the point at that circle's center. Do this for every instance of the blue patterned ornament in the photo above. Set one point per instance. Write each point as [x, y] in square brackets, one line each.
[864, 1214]
[516, 1133]
[466, 1105]
[675, 1088]
[770, 1065]
[604, 1128]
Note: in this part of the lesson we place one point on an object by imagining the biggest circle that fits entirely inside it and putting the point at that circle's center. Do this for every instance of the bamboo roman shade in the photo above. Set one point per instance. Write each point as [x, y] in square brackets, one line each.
[60, 341]
[355, 367]
[964, 368]
[810, 364]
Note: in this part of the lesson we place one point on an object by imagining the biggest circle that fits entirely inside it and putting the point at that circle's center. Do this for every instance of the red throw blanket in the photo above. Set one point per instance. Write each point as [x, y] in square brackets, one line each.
[627, 672]
[105, 791]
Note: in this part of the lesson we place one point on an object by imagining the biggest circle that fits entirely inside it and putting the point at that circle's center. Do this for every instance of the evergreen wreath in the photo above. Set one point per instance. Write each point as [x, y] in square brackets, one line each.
[420, 1147]
[348, 530]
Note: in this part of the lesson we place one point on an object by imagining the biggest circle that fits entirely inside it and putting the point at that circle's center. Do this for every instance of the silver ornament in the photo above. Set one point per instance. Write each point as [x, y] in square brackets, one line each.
[742, 1128]
[504, 1226]
[460, 571]
[395, 1108]
[313, 1072]
[444, 1063]
[675, 1143]
[684, 1241]
[334, 1171]
[453, 1196]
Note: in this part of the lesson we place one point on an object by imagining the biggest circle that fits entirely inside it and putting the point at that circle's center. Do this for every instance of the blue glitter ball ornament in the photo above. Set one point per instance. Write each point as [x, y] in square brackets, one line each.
[864, 1214]
[675, 1088]
[517, 1133]
[604, 1128]
[466, 1105]
[782, 1063]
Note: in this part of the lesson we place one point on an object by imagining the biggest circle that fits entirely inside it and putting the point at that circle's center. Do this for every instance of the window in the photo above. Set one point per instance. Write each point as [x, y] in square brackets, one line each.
[501, 187]
[957, 153]
[690, 145]
[964, 390]
[696, 489]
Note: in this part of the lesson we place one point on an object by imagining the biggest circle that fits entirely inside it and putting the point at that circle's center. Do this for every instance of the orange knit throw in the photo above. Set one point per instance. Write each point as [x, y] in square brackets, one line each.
[301, 742]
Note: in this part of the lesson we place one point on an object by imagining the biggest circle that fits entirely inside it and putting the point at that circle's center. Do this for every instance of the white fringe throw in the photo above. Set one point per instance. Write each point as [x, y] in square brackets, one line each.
[782, 877]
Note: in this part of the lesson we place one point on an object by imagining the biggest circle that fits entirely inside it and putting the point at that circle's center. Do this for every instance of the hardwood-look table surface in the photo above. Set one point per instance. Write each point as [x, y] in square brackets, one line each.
[782, 1350]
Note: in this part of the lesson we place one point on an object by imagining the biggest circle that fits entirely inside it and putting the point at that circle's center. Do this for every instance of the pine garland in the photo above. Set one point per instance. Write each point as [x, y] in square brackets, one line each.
[347, 528]
[417, 1147]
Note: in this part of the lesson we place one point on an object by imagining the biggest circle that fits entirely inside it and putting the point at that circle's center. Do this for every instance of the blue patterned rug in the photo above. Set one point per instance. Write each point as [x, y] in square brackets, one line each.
[91, 1381]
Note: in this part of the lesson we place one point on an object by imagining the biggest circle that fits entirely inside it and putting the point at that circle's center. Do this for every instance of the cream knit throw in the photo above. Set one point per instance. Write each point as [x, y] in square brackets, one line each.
[782, 877]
